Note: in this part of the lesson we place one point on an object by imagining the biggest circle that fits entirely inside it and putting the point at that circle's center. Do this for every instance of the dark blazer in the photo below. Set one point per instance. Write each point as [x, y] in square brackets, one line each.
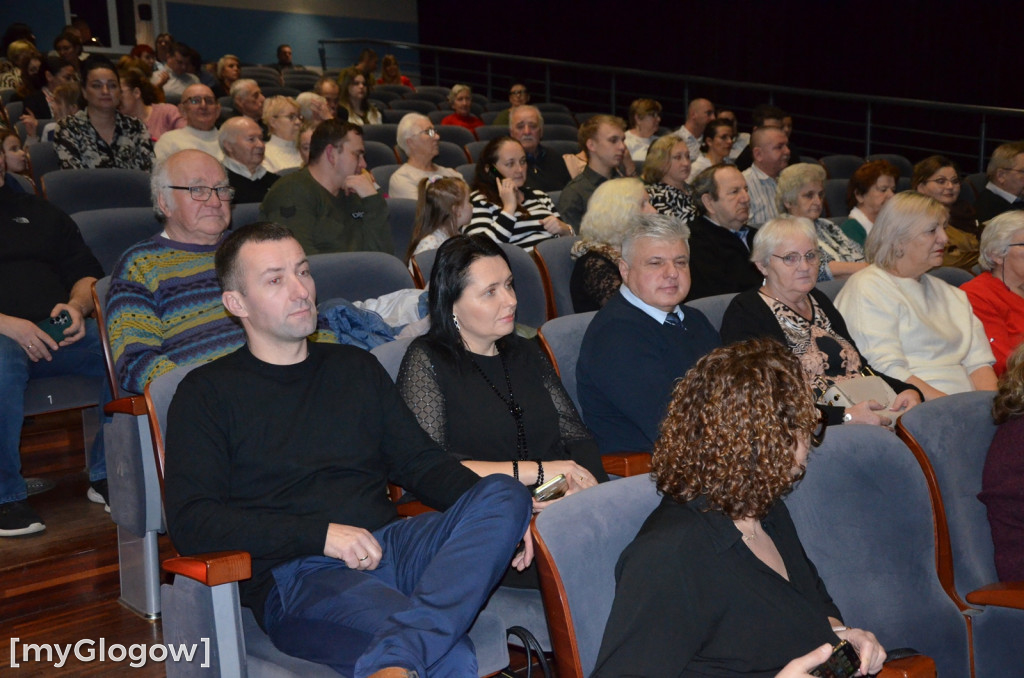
[989, 205]
[719, 263]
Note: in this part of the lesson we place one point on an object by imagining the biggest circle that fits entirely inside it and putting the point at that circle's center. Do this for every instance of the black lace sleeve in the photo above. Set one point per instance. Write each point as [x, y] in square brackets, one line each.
[418, 384]
[598, 279]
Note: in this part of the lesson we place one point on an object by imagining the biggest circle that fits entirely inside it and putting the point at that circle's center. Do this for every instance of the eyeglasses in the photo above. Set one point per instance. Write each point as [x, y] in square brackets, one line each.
[943, 181]
[199, 101]
[430, 132]
[518, 92]
[1014, 169]
[1016, 244]
[203, 193]
[791, 259]
[818, 434]
[291, 116]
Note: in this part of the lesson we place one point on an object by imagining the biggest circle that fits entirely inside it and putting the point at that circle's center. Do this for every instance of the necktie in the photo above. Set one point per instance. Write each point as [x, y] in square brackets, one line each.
[672, 320]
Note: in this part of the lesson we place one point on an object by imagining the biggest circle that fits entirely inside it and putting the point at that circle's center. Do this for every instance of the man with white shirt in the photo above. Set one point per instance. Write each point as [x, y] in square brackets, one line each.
[771, 156]
[242, 142]
[643, 339]
[720, 239]
[1005, 182]
[420, 141]
[698, 115]
[201, 110]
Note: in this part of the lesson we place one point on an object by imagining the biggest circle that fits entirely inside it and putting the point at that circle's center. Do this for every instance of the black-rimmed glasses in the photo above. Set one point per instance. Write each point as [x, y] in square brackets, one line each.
[203, 193]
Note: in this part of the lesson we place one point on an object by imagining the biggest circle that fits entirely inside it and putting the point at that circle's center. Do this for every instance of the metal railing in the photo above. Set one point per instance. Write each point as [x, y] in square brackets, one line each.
[826, 122]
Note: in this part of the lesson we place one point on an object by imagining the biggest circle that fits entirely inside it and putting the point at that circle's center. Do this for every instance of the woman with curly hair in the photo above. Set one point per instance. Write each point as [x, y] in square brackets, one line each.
[1004, 469]
[720, 555]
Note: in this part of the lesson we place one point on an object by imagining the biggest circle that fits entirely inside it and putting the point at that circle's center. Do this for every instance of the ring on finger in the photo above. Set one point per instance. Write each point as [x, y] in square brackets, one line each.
[363, 558]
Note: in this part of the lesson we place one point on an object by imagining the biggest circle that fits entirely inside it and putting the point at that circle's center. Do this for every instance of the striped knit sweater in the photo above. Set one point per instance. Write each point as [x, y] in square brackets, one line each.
[164, 310]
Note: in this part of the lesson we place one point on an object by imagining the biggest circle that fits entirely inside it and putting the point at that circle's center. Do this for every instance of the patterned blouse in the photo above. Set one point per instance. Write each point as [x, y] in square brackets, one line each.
[670, 200]
[79, 145]
[523, 228]
[826, 357]
[836, 244]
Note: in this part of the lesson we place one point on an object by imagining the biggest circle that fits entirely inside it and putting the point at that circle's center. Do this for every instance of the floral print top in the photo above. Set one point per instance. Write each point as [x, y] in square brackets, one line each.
[79, 145]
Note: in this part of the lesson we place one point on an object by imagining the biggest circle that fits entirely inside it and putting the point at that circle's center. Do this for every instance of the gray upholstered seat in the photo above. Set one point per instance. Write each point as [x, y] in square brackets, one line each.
[556, 266]
[78, 190]
[561, 339]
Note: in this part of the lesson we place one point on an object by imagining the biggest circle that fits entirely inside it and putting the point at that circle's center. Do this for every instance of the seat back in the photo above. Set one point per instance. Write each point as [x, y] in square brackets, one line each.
[835, 198]
[23, 181]
[555, 265]
[558, 118]
[713, 307]
[109, 232]
[382, 175]
[488, 132]
[356, 276]
[560, 133]
[864, 518]
[901, 163]
[402, 219]
[300, 80]
[78, 190]
[561, 338]
[378, 154]
[43, 159]
[951, 275]
[474, 149]
[417, 105]
[561, 147]
[390, 355]
[577, 542]
[460, 136]
[468, 170]
[244, 213]
[385, 133]
[841, 166]
[159, 394]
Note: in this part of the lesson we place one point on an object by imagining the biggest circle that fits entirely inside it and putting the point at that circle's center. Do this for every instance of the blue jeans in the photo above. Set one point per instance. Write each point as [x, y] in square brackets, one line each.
[415, 608]
[85, 357]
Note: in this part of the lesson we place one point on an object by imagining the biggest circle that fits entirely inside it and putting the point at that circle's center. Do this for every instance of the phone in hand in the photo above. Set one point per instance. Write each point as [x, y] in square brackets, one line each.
[552, 489]
[842, 663]
[55, 326]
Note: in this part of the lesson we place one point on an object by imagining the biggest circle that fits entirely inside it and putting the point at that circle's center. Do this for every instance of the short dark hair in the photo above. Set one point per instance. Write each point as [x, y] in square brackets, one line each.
[447, 283]
[280, 47]
[764, 112]
[328, 133]
[225, 260]
[706, 183]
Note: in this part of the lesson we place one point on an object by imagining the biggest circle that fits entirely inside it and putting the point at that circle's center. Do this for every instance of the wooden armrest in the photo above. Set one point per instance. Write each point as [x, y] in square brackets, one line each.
[626, 463]
[1003, 594]
[408, 509]
[917, 666]
[212, 569]
[134, 405]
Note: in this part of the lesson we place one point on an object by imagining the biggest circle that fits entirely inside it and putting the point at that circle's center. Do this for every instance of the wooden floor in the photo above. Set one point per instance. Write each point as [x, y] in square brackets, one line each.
[61, 586]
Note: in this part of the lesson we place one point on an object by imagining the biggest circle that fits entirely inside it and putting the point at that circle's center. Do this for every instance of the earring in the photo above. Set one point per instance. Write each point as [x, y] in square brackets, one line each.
[455, 319]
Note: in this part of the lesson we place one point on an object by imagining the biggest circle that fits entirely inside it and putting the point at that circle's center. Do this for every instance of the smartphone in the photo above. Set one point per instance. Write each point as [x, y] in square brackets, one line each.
[552, 489]
[842, 663]
[55, 326]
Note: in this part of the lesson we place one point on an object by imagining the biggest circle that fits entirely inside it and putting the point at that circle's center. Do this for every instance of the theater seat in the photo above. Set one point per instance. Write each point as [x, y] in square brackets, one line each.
[78, 190]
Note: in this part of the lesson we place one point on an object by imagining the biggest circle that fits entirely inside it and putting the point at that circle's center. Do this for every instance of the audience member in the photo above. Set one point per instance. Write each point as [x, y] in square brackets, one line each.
[46, 271]
[602, 139]
[282, 118]
[720, 240]
[139, 101]
[643, 339]
[720, 555]
[1001, 478]
[313, 107]
[20, 55]
[320, 528]
[284, 60]
[698, 114]
[248, 99]
[100, 136]
[546, 171]
[870, 187]
[503, 208]
[243, 150]
[354, 97]
[610, 211]
[229, 69]
[179, 77]
[740, 140]
[442, 209]
[763, 115]
[908, 324]
[420, 141]
[68, 46]
[146, 58]
[55, 73]
[332, 204]
[789, 309]
[64, 104]
[15, 157]
[1005, 182]
[997, 294]
[205, 72]
[460, 98]
[771, 155]
[201, 111]
[801, 193]
[305, 137]
[327, 87]
[644, 120]
[667, 172]
[162, 47]
[939, 178]
[367, 64]
[716, 147]
[390, 73]
[485, 395]
[518, 95]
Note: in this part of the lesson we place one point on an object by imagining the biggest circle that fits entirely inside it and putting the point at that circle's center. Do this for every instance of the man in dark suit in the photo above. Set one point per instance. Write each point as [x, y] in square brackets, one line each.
[1005, 182]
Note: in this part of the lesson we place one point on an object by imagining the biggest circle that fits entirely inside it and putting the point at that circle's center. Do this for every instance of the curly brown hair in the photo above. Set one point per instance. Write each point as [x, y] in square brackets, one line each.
[1009, 400]
[732, 426]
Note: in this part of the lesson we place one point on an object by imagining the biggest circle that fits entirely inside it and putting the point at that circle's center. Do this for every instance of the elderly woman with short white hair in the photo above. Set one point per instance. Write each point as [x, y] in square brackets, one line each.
[313, 108]
[461, 100]
[420, 141]
[997, 294]
[282, 118]
[911, 325]
[595, 275]
[801, 193]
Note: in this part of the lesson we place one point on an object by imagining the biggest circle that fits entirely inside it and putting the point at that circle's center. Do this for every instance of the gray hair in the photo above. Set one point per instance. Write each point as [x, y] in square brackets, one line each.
[458, 89]
[609, 210]
[900, 219]
[1002, 158]
[656, 226]
[306, 101]
[524, 108]
[158, 186]
[996, 238]
[775, 232]
[795, 177]
[240, 86]
[405, 125]
[230, 130]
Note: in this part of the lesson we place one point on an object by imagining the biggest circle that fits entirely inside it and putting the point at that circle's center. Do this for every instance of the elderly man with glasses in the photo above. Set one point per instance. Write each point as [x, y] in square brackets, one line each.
[201, 110]
[420, 141]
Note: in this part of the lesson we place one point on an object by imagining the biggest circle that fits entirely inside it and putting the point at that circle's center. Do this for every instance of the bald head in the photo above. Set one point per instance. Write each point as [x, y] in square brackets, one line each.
[242, 140]
[698, 115]
[770, 150]
[200, 108]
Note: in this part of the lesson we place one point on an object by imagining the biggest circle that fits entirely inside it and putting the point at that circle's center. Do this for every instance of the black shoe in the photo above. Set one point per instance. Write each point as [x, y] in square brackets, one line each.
[17, 518]
[98, 493]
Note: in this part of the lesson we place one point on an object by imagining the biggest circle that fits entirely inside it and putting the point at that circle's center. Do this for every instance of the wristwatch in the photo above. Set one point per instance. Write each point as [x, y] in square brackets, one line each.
[847, 418]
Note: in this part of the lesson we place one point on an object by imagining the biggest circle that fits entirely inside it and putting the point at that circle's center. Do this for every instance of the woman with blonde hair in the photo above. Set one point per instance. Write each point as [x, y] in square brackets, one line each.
[667, 173]
[282, 118]
[595, 275]
[354, 97]
[910, 325]
[644, 120]
[229, 69]
[390, 74]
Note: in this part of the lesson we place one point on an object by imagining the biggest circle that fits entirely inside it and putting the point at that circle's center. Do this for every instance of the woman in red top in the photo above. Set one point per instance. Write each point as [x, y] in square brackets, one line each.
[391, 75]
[461, 99]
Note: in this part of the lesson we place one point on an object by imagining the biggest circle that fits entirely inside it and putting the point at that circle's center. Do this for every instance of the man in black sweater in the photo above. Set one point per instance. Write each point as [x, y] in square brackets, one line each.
[285, 448]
